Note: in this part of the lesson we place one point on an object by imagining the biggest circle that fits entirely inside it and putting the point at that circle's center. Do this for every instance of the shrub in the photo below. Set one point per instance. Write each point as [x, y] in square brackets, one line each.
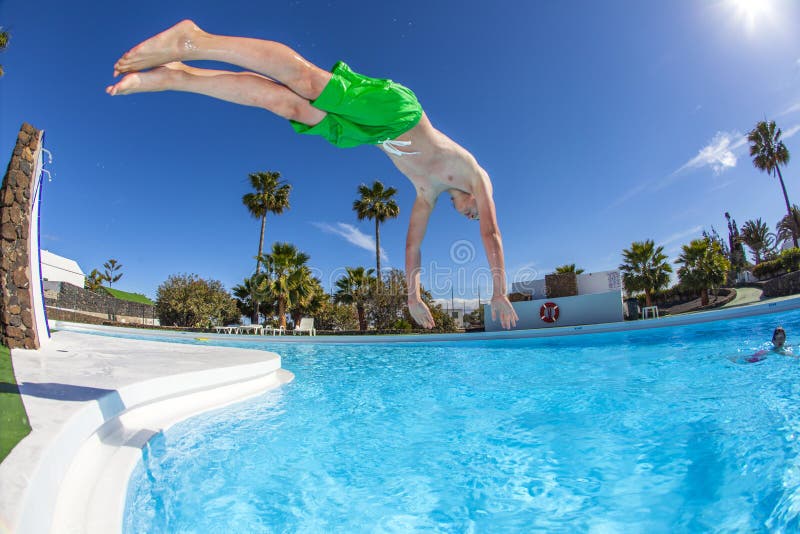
[790, 259]
[768, 269]
[188, 300]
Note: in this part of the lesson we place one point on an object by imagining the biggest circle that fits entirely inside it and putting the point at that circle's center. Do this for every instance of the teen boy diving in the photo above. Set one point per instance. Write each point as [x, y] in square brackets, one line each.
[347, 109]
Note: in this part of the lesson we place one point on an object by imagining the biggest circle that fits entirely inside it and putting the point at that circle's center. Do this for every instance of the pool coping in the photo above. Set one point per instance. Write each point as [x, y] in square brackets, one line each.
[112, 395]
[775, 305]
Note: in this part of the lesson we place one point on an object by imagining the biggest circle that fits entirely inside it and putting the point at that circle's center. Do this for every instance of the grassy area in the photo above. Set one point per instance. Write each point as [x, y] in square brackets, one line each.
[13, 420]
[130, 297]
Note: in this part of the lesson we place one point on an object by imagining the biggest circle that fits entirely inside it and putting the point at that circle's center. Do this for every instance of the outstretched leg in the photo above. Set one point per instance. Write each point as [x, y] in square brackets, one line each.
[245, 88]
[186, 41]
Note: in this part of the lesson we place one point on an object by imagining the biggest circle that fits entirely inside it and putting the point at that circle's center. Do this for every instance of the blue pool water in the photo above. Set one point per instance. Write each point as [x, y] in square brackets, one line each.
[649, 431]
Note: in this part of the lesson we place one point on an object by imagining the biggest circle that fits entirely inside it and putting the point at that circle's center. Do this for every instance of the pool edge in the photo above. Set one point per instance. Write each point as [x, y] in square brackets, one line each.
[770, 306]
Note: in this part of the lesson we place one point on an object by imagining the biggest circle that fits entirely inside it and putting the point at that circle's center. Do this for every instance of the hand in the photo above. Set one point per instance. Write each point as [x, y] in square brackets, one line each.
[502, 306]
[421, 314]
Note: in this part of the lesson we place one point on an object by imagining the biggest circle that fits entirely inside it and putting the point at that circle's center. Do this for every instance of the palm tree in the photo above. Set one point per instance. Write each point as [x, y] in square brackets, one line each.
[769, 153]
[4, 38]
[310, 300]
[270, 195]
[286, 280]
[246, 295]
[704, 266]
[756, 235]
[645, 268]
[376, 203]
[110, 274]
[788, 226]
[568, 268]
[353, 288]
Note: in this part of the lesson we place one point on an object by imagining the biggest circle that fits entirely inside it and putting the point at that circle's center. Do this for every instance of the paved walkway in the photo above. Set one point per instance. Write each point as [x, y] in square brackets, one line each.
[745, 295]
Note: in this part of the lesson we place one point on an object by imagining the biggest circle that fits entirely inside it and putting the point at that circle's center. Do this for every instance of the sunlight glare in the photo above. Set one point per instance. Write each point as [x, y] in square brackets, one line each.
[752, 12]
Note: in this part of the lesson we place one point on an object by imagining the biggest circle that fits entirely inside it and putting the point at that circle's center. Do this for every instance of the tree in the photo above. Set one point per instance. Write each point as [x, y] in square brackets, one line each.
[568, 268]
[5, 37]
[736, 253]
[335, 316]
[287, 280]
[111, 267]
[704, 266]
[246, 298]
[769, 153]
[645, 268]
[309, 301]
[756, 235]
[94, 281]
[189, 301]
[788, 226]
[388, 300]
[270, 195]
[376, 203]
[354, 289]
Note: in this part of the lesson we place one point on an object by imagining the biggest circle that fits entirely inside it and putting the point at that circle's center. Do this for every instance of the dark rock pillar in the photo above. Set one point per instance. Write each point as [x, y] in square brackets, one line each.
[17, 325]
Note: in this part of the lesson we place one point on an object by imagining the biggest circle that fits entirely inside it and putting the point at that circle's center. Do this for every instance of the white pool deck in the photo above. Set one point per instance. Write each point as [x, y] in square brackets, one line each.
[94, 402]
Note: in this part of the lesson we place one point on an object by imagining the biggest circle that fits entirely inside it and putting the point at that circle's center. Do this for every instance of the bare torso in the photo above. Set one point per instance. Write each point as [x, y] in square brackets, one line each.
[441, 164]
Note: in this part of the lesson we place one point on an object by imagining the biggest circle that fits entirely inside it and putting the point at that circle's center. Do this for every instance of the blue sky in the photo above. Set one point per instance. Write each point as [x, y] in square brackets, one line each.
[600, 123]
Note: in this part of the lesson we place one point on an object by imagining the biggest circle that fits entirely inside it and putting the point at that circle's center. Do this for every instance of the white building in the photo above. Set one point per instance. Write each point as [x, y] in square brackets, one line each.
[56, 268]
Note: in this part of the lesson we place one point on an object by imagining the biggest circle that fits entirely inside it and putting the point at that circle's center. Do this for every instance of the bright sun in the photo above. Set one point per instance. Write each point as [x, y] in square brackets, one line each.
[752, 12]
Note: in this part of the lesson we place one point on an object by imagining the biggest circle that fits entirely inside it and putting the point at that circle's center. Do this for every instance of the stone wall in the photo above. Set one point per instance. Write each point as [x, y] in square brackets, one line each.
[561, 285]
[787, 284]
[67, 297]
[17, 328]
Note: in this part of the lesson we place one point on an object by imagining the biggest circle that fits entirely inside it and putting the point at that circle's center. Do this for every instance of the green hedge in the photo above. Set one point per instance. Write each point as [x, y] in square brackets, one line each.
[787, 261]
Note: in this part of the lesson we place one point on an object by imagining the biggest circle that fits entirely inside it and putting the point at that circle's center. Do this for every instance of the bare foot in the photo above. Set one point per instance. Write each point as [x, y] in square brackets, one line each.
[170, 45]
[159, 79]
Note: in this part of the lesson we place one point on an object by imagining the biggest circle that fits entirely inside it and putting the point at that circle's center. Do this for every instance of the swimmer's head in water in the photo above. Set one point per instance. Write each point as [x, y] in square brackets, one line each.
[779, 337]
[464, 203]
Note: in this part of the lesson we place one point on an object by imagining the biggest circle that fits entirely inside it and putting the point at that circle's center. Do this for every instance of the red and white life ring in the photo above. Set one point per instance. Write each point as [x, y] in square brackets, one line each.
[549, 312]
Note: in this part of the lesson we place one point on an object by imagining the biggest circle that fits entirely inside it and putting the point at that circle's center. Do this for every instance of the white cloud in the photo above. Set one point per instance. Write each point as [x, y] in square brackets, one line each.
[718, 154]
[791, 131]
[721, 186]
[794, 108]
[352, 235]
[680, 235]
[627, 195]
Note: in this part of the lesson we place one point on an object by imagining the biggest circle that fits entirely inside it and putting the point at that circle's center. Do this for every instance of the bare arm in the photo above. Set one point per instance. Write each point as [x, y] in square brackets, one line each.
[420, 214]
[493, 244]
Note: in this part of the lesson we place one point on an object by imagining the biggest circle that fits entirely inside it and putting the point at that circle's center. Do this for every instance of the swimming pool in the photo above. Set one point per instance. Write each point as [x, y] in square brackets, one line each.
[651, 431]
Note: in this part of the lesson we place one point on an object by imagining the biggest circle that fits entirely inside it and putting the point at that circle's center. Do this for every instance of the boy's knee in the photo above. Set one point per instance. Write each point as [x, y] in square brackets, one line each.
[310, 82]
[307, 114]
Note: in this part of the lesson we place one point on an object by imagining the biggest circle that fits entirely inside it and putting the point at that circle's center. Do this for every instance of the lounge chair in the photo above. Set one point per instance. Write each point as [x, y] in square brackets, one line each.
[278, 330]
[227, 329]
[306, 325]
[254, 329]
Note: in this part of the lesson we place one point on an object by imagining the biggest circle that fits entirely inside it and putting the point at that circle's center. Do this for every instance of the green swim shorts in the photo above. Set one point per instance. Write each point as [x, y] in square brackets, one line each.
[362, 110]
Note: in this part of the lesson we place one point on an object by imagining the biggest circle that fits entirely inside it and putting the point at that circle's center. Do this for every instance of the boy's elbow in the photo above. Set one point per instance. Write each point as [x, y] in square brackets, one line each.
[412, 250]
[490, 233]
